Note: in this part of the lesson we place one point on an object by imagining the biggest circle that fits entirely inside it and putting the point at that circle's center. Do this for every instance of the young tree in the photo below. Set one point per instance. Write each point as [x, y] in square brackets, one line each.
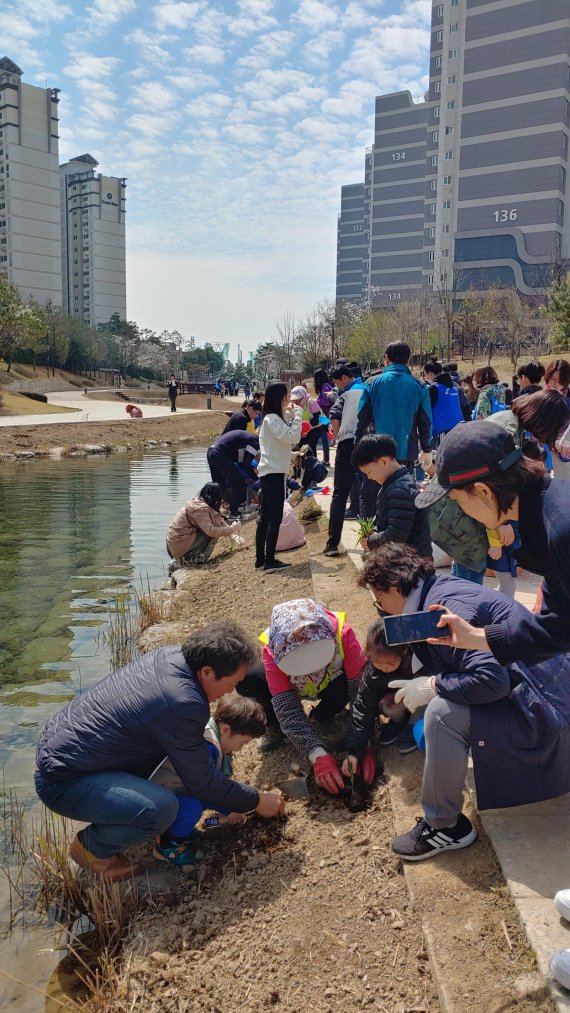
[286, 340]
[10, 305]
[57, 335]
[558, 310]
[32, 327]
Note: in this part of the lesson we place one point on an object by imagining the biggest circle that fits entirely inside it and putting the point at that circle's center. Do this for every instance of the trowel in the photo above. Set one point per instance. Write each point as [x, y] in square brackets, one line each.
[294, 787]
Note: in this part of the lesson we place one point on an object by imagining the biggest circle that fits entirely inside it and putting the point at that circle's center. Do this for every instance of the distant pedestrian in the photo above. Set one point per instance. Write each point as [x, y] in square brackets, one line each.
[172, 391]
[449, 405]
[325, 397]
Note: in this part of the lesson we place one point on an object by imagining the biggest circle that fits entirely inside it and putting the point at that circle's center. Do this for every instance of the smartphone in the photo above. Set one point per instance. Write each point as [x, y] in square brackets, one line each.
[407, 629]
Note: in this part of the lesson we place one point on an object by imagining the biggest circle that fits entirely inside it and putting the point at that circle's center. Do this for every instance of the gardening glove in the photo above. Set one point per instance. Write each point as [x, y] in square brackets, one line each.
[368, 766]
[425, 458]
[413, 693]
[327, 774]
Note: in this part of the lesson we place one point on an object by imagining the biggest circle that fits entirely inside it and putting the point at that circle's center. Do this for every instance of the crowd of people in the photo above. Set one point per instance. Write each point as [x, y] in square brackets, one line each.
[440, 464]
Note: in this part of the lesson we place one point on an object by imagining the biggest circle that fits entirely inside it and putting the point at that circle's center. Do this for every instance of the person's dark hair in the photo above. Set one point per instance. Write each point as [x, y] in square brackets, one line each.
[258, 394]
[376, 641]
[433, 367]
[339, 371]
[372, 447]
[534, 371]
[244, 715]
[394, 565]
[223, 646]
[274, 394]
[320, 378]
[399, 353]
[560, 366]
[251, 403]
[507, 485]
[212, 494]
[545, 414]
[534, 450]
[450, 367]
[483, 376]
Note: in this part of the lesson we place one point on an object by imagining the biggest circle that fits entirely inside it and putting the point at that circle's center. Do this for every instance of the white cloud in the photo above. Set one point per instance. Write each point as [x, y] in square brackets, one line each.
[210, 55]
[101, 15]
[210, 104]
[315, 14]
[176, 15]
[153, 96]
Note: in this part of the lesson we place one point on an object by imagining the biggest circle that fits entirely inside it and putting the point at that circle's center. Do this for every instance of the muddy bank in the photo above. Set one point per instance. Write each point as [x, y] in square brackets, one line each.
[203, 427]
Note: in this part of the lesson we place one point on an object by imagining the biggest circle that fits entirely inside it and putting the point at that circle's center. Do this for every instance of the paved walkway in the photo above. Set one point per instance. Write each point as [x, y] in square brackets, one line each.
[530, 841]
[89, 410]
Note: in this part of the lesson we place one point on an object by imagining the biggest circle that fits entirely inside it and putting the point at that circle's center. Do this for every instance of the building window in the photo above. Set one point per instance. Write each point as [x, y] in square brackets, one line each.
[430, 279]
[449, 130]
[432, 209]
[562, 179]
[451, 104]
[436, 88]
[439, 10]
[434, 184]
[445, 253]
[435, 136]
[451, 78]
[454, 27]
[446, 204]
[439, 36]
[455, 3]
[432, 232]
[452, 54]
[445, 229]
[561, 210]
[448, 156]
[436, 112]
[434, 159]
[431, 256]
[437, 62]
[447, 180]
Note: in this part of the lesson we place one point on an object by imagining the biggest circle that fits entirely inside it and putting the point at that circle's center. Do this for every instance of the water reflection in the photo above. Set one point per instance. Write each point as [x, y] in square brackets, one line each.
[73, 535]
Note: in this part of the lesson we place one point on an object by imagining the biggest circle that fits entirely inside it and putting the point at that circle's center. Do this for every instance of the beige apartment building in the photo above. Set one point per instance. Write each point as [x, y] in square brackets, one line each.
[30, 221]
[92, 242]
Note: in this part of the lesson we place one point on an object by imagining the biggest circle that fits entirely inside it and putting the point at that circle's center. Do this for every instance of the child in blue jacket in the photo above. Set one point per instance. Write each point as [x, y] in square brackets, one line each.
[236, 721]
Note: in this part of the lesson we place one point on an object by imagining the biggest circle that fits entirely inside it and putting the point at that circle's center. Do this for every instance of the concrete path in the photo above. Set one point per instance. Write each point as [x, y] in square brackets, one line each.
[531, 841]
[88, 410]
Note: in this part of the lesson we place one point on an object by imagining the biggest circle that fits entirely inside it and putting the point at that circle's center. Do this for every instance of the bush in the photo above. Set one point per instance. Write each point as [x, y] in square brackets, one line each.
[34, 396]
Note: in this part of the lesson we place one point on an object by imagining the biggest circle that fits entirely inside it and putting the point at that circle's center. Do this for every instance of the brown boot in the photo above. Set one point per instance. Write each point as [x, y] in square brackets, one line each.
[113, 869]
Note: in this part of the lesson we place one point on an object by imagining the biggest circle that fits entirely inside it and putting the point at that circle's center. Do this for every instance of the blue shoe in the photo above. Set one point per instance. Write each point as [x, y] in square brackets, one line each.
[178, 854]
[405, 743]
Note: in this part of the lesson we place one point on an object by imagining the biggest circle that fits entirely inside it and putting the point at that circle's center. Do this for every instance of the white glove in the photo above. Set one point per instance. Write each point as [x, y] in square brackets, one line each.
[413, 693]
[425, 458]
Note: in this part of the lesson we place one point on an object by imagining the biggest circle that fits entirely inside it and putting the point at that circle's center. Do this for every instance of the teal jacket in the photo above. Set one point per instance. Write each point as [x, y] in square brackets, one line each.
[399, 405]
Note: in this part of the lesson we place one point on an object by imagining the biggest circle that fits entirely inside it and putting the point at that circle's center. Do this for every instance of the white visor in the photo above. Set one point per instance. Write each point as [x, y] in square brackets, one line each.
[308, 658]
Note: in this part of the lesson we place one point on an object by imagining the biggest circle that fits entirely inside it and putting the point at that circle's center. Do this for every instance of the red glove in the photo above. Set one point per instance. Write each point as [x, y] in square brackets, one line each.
[327, 774]
[368, 766]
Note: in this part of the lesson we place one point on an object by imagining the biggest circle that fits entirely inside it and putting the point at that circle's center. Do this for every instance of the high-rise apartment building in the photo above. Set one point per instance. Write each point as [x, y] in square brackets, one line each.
[92, 242]
[352, 242]
[495, 180]
[30, 225]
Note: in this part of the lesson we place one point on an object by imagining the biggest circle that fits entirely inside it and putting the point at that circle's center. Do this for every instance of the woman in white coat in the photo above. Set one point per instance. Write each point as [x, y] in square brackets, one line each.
[277, 435]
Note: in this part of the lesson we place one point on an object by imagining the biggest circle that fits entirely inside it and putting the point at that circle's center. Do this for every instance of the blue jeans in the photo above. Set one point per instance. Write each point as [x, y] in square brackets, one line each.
[122, 810]
[475, 576]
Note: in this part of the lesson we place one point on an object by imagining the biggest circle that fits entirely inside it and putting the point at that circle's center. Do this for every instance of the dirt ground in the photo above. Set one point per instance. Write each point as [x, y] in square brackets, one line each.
[313, 913]
[199, 428]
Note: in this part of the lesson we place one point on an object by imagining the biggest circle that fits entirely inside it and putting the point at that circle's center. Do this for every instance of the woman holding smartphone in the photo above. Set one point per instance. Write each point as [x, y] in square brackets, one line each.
[277, 435]
[513, 718]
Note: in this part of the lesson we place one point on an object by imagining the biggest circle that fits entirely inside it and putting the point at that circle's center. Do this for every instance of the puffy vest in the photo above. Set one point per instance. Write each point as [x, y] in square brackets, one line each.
[446, 412]
[334, 669]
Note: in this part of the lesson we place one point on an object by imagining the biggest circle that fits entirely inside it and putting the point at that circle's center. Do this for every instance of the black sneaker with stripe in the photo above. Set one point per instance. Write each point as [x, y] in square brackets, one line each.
[425, 842]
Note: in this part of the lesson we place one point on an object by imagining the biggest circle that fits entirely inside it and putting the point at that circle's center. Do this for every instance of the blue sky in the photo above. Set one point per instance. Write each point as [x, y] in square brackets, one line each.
[236, 122]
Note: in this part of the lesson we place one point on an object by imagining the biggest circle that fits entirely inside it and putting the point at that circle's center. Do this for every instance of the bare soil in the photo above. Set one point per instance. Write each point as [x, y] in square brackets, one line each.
[312, 913]
[130, 433]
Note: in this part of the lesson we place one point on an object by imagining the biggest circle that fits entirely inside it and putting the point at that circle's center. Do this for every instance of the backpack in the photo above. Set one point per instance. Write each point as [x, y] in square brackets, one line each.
[463, 538]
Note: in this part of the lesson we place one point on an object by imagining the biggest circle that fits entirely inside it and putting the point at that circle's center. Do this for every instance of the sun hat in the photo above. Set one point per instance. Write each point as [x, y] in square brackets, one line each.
[471, 452]
[301, 637]
[299, 394]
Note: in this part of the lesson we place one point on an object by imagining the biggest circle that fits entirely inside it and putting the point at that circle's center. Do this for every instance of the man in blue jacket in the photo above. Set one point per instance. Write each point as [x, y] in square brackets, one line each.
[397, 404]
[230, 460]
[94, 756]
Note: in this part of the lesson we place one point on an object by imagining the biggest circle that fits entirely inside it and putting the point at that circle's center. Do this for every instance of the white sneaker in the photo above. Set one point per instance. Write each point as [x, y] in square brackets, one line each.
[560, 967]
[562, 904]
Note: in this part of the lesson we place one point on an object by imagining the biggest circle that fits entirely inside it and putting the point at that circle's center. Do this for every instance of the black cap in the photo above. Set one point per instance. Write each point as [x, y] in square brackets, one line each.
[470, 453]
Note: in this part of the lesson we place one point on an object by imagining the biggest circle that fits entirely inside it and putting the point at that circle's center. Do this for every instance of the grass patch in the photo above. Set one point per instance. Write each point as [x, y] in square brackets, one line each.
[18, 404]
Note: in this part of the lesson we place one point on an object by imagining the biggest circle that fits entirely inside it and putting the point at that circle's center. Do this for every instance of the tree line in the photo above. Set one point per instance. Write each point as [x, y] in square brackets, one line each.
[450, 322]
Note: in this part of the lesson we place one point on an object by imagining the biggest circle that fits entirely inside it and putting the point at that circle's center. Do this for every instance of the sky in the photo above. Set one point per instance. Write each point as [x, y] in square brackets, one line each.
[235, 122]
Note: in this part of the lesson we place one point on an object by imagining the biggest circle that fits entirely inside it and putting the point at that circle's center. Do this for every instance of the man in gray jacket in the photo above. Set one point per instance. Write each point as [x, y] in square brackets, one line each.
[94, 756]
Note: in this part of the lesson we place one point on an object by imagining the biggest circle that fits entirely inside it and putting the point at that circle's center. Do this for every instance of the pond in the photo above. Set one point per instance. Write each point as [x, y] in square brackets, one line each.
[75, 535]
